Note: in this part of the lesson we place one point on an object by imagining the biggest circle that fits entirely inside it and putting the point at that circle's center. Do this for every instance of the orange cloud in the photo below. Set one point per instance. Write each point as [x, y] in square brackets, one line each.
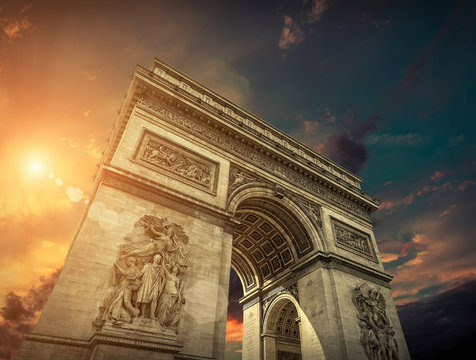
[448, 211]
[437, 175]
[465, 184]
[407, 200]
[318, 8]
[290, 34]
[442, 256]
[17, 28]
[386, 258]
[310, 125]
[234, 330]
[319, 147]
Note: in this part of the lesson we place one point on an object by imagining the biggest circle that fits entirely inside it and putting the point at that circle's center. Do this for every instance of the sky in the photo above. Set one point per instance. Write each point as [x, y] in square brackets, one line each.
[384, 88]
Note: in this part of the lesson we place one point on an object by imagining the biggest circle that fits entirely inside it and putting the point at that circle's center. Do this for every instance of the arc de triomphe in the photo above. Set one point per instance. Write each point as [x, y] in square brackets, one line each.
[189, 186]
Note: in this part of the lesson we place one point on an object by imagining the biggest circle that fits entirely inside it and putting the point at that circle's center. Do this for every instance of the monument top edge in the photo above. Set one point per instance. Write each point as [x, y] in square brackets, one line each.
[229, 105]
[173, 83]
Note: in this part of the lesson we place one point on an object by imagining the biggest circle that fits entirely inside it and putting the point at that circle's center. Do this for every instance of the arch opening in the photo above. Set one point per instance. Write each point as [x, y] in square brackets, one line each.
[267, 242]
[281, 335]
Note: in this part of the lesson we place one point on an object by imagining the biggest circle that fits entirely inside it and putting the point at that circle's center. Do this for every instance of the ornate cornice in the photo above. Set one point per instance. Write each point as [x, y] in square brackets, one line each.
[259, 156]
[186, 88]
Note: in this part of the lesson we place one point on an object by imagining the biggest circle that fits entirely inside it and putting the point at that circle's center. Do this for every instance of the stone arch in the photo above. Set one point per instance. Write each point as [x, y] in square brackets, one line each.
[287, 331]
[259, 190]
[271, 236]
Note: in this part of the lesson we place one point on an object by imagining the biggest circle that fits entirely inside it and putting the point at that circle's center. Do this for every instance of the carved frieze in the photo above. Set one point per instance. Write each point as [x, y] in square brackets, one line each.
[148, 278]
[158, 153]
[353, 240]
[253, 155]
[376, 333]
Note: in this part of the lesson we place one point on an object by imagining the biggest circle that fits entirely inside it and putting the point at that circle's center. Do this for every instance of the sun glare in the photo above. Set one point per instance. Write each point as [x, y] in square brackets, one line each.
[36, 167]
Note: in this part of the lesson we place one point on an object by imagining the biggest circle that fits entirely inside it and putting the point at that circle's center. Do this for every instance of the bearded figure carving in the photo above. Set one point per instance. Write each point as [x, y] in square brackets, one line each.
[148, 277]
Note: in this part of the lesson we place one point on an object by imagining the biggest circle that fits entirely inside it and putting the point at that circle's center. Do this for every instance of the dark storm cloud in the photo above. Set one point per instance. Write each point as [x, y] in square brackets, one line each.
[346, 147]
[20, 313]
[442, 327]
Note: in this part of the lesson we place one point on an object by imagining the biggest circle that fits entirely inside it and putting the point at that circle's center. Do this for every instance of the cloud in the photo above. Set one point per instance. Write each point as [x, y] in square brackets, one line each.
[346, 146]
[17, 28]
[20, 313]
[465, 184]
[310, 125]
[234, 330]
[395, 140]
[390, 204]
[437, 175]
[290, 34]
[441, 327]
[318, 8]
[450, 210]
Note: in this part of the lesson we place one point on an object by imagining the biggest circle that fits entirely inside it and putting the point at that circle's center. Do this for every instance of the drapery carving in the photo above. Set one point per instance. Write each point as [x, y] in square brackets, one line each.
[148, 276]
[376, 334]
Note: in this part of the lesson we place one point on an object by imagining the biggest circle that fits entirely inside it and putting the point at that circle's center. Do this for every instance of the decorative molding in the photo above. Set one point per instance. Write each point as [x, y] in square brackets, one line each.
[376, 333]
[185, 88]
[160, 154]
[258, 156]
[353, 240]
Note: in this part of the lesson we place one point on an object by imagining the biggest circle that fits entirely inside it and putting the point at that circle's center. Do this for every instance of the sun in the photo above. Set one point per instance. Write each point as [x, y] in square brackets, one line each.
[36, 167]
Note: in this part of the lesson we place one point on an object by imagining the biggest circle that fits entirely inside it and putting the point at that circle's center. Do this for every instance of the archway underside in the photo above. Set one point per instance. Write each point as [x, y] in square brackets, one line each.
[267, 241]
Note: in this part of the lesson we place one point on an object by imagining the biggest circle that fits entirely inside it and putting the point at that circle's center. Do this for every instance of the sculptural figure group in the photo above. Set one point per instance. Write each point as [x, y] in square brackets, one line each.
[376, 334]
[148, 276]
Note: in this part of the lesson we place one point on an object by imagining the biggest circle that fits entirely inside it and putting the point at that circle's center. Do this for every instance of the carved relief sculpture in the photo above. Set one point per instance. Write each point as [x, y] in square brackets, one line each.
[353, 240]
[238, 177]
[180, 163]
[376, 334]
[148, 277]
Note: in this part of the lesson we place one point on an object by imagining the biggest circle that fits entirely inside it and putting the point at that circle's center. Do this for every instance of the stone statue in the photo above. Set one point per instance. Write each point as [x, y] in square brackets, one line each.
[151, 286]
[376, 334]
[148, 276]
[117, 301]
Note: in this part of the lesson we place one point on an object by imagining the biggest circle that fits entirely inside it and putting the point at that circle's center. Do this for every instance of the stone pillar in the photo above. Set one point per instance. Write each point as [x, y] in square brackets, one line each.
[251, 330]
[222, 296]
[269, 347]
